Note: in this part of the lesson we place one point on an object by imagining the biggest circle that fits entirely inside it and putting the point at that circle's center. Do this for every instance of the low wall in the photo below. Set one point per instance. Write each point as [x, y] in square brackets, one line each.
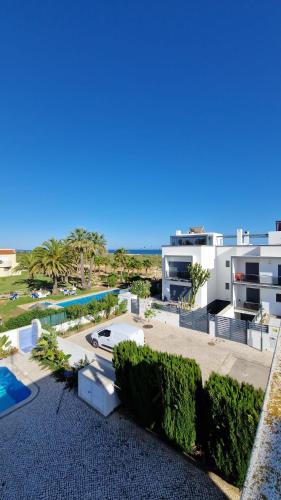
[14, 335]
[264, 474]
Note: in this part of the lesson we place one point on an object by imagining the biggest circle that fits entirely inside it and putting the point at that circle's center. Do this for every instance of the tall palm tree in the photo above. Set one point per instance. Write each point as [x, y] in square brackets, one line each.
[78, 240]
[120, 257]
[96, 248]
[51, 259]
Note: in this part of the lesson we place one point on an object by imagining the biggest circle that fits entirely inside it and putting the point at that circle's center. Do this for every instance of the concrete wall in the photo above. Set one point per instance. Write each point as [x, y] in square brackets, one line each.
[167, 318]
[14, 335]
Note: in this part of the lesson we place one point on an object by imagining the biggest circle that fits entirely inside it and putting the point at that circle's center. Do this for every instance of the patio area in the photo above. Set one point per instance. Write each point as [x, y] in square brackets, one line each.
[56, 447]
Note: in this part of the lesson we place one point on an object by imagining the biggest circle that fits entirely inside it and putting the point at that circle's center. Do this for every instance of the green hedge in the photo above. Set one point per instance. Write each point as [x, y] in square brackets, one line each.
[26, 318]
[160, 389]
[71, 312]
[232, 413]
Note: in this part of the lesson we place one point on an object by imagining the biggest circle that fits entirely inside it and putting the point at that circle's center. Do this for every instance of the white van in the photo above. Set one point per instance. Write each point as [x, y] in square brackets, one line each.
[110, 335]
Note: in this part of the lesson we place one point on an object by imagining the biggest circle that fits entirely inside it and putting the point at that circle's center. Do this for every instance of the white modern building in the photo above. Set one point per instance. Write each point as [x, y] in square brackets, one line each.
[244, 274]
[8, 262]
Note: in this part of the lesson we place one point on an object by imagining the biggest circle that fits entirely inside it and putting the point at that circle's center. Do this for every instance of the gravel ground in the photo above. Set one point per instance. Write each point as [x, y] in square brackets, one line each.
[78, 454]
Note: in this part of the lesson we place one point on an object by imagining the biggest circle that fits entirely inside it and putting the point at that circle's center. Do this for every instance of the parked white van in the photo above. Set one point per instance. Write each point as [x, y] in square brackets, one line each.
[110, 335]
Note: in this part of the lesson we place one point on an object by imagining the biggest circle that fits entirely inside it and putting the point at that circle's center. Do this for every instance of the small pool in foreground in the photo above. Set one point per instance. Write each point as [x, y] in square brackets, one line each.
[12, 391]
[86, 300]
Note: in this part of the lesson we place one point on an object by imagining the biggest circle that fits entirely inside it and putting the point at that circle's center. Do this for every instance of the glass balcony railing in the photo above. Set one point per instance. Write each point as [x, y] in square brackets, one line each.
[178, 275]
[261, 279]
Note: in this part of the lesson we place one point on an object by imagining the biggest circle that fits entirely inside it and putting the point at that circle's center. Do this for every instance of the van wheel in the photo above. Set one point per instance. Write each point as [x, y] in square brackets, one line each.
[95, 343]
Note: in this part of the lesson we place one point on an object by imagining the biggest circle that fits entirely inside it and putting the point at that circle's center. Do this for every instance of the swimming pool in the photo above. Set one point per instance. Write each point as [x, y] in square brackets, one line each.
[12, 391]
[86, 300]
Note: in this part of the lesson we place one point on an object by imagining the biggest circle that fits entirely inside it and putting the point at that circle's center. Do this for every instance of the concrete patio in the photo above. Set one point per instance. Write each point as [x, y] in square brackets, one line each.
[223, 356]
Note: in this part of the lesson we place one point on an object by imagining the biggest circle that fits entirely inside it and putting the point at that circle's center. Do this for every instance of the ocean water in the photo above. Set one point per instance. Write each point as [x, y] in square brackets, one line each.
[144, 251]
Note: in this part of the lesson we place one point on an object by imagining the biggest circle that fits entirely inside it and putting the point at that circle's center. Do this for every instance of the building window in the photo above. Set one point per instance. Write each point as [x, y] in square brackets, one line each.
[227, 263]
[227, 286]
[278, 297]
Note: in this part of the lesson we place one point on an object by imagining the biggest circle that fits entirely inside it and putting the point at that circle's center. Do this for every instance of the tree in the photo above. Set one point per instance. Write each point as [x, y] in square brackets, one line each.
[108, 303]
[51, 259]
[111, 280]
[149, 314]
[141, 288]
[78, 240]
[26, 264]
[95, 249]
[198, 277]
[147, 264]
[120, 257]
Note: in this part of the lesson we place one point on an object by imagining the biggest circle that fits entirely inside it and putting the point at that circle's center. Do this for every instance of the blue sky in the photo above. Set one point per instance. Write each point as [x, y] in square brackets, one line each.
[138, 118]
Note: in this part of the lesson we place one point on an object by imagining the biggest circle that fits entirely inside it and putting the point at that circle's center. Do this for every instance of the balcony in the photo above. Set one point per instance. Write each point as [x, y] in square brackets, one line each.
[259, 279]
[178, 275]
[247, 306]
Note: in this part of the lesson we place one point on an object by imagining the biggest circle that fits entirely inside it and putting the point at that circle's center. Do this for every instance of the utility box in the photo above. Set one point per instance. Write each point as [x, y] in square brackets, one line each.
[96, 386]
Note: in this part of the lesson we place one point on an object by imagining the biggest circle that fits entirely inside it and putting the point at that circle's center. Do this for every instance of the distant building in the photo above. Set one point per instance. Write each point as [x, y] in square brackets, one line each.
[246, 275]
[8, 262]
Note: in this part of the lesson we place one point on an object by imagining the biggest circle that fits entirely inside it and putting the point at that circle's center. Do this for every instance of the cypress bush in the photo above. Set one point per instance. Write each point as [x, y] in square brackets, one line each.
[232, 413]
[181, 382]
[160, 389]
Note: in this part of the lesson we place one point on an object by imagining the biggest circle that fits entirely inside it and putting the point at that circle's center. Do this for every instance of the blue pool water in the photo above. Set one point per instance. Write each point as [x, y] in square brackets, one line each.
[12, 391]
[86, 300]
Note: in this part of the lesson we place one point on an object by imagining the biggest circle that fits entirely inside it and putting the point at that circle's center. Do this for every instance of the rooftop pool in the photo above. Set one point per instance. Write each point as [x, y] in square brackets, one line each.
[12, 391]
[88, 298]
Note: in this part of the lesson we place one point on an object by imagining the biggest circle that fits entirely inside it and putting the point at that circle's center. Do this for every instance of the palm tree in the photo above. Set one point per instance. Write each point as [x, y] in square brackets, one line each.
[120, 257]
[51, 259]
[95, 249]
[26, 263]
[78, 240]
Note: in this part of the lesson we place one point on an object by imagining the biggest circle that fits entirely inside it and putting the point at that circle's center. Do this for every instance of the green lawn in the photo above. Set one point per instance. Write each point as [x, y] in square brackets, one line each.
[24, 286]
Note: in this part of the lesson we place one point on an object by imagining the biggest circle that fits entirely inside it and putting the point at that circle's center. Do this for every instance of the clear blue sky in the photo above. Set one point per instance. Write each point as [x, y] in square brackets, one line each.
[138, 118]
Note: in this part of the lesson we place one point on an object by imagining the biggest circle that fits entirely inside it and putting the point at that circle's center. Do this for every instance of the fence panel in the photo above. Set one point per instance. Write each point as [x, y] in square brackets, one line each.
[195, 320]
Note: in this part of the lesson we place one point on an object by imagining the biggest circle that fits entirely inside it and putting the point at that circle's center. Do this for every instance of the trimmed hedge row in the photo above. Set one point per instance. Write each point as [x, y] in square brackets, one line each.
[72, 312]
[160, 389]
[165, 393]
[232, 412]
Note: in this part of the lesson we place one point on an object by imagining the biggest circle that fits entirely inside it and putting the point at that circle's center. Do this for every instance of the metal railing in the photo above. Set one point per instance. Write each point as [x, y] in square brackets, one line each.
[261, 279]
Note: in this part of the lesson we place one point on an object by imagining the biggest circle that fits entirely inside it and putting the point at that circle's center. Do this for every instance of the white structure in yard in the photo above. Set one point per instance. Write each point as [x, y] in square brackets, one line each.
[8, 261]
[246, 275]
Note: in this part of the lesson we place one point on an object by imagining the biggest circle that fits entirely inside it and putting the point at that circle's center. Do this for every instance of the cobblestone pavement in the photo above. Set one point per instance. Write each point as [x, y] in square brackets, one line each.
[77, 454]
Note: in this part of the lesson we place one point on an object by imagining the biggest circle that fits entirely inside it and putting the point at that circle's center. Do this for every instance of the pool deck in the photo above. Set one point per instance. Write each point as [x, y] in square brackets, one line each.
[57, 447]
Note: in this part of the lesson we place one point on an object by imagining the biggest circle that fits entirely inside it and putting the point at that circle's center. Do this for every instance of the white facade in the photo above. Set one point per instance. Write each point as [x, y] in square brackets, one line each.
[246, 275]
[8, 261]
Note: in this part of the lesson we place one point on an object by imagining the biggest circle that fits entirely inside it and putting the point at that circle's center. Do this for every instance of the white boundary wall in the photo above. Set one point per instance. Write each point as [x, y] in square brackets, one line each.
[14, 335]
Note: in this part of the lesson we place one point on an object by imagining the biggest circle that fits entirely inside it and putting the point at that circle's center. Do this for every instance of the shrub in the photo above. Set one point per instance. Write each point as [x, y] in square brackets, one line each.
[48, 353]
[160, 389]
[76, 311]
[94, 307]
[26, 318]
[231, 417]
[122, 308]
[107, 303]
[181, 382]
[141, 288]
[137, 380]
[112, 280]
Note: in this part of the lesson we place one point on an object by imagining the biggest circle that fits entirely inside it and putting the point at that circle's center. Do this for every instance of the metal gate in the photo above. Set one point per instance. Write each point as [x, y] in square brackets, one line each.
[27, 338]
[134, 306]
[195, 320]
[231, 329]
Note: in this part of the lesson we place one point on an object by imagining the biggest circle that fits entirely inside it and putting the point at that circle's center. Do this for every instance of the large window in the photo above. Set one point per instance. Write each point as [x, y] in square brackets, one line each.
[178, 292]
[189, 240]
[253, 295]
[179, 270]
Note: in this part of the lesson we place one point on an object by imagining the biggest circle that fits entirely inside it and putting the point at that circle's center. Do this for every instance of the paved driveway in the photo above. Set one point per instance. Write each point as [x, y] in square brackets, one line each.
[240, 361]
[58, 448]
